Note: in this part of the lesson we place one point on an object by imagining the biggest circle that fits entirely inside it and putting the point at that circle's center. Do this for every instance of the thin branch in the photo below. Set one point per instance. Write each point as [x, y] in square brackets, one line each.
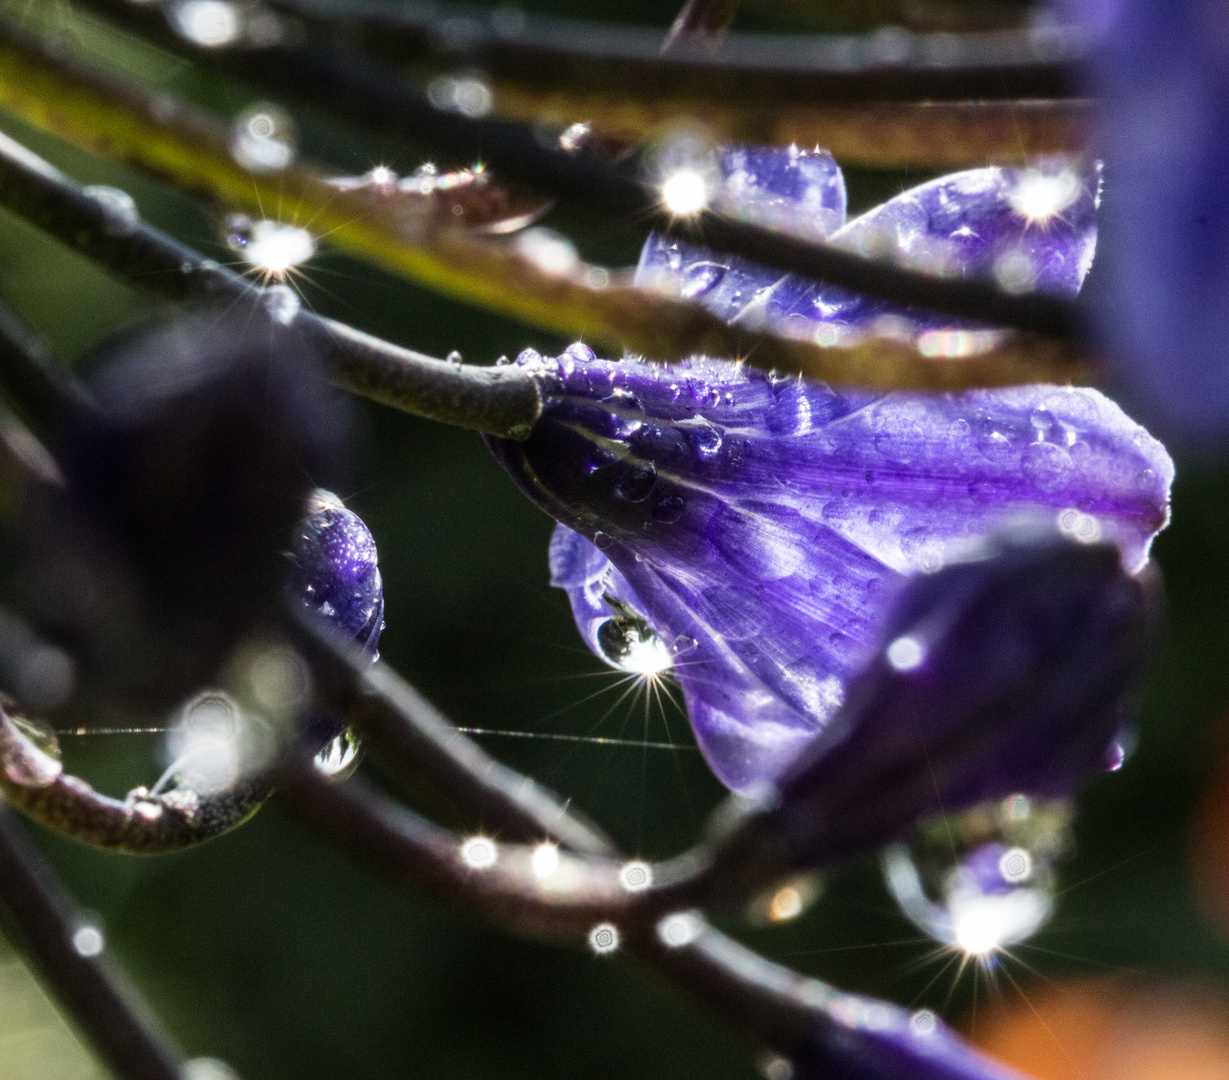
[939, 135]
[164, 137]
[143, 823]
[499, 400]
[75, 968]
[568, 897]
[771, 68]
[397, 719]
[351, 88]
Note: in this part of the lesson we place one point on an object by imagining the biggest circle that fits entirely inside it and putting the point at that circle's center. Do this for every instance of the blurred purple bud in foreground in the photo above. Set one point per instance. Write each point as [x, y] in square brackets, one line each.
[184, 485]
[1162, 72]
[1008, 672]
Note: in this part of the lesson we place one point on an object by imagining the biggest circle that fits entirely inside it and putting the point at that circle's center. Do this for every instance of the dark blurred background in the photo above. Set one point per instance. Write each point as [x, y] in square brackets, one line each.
[268, 949]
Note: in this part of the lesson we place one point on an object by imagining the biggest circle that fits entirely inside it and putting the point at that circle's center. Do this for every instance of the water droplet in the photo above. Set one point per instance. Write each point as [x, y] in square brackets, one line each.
[636, 876]
[700, 278]
[548, 250]
[1048, 466]
[604, 938]
[634, 482]
[208, 1069]
[282, 303]
[669, 509]
[209, 23]
[684, 643]
[705, 438]
[630, 644]
[580, 352]
[262, 138]
[466, 95]
[120, 212]
[599, 457]
[269, 246]
[602, 540]
[341, 756]
[681, 928]
[982, 880]
[479, 853]
[88, 940]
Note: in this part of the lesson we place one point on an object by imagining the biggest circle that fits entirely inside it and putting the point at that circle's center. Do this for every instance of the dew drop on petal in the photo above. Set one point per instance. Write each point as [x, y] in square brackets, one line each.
[629, 643]
[1047, 466]
[700, 278]
[669, 509]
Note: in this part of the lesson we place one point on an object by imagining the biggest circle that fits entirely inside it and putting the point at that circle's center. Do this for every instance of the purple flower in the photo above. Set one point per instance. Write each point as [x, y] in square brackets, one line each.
[747, 530]
[334, 570]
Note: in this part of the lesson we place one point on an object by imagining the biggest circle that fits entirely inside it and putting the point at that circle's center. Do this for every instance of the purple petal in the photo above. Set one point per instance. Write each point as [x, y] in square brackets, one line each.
[1028, 229]
[798, 191]
[333, 569]
[758, 524]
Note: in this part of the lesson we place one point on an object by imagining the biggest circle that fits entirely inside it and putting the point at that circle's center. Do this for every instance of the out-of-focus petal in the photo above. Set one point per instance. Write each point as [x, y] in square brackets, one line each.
[1163, 296]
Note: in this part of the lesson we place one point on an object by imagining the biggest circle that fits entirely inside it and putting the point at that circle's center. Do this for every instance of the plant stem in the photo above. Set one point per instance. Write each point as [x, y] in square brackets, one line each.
[164, 137]
[350, 87]
[766, 68]
[498, 400]
[91, 989]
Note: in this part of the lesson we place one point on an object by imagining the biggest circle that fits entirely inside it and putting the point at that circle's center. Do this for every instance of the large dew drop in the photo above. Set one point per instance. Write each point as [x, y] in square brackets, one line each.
[981, 881]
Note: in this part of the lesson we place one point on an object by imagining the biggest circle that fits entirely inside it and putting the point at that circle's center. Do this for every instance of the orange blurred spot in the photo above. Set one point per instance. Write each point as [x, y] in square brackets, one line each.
[1209, 852]
[1113, 1029]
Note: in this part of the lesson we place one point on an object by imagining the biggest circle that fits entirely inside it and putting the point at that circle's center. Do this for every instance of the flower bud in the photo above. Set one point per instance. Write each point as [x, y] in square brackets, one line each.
[184, 484]
[1006, 673]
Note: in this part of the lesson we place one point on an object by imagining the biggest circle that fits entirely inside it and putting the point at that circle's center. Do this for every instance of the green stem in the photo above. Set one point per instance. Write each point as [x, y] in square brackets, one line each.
[159, 135]
[502, 401]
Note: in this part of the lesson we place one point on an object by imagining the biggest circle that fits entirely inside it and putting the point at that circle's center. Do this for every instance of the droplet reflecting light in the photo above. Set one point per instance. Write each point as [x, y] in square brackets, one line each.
[636, 876]
[1040, 195]
[210, 23]
[88, 941]
[906, 653]
[479, 853]
[545, 860]
[604, 938]
[685, 191]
